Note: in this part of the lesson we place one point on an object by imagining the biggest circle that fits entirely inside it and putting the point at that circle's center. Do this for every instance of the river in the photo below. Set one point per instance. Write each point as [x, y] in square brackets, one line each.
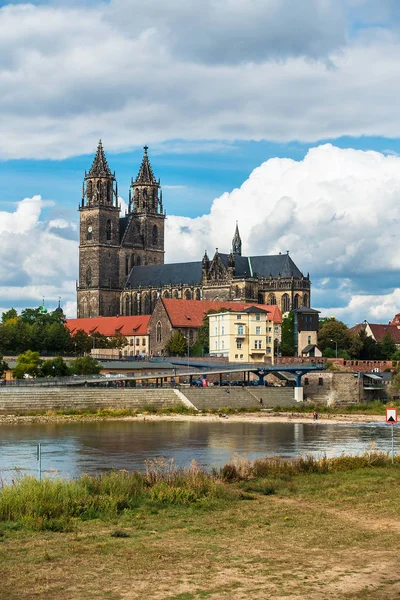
[70, 449]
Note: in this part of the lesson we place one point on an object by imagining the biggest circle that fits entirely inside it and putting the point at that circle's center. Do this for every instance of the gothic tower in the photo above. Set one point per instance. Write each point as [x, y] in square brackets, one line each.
[237, 242]
[145, 232]
[99, 288]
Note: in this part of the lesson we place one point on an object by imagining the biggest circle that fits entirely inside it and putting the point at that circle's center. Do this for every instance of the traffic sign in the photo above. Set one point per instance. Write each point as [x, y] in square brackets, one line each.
[391, 415]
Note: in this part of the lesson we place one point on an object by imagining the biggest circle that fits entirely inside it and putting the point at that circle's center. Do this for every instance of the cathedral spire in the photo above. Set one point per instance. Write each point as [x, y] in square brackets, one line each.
[237, 242]
[100, 166]
[146, 175]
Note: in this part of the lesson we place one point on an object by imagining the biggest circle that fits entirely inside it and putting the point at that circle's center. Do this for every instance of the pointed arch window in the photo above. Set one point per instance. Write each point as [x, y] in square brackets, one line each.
[132, 260]
[154, 236]
[89, 277]
[285, 303]
[109, 192]
[188, 295]
[126, 265]
[158, 332]
[108, 230]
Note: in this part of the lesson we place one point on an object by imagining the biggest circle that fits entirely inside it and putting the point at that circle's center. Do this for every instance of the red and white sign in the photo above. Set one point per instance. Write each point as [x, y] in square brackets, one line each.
[391, 415]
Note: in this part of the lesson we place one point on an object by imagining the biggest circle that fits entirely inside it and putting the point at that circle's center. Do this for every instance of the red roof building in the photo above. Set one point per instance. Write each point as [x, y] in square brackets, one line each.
[172, 314]
[135, 329]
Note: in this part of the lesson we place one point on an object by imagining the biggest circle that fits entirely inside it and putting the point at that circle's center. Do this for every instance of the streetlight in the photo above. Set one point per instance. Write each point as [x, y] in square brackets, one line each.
[335, 342]
[188, 348]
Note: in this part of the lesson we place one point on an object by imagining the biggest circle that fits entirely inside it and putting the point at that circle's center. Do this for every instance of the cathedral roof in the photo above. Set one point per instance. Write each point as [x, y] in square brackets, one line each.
[171, 274]
[275, 265]
[146, 174]
[100, 166]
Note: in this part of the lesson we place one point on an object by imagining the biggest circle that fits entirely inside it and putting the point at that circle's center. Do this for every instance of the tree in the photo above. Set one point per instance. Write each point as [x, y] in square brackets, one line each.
[176, 345]
[287, 346]
[9, 314]
[333, 334]
[117, 341]
[55, 367]
[85, 365]
[370, 349]
[3, 366]
[81, 342]
[28, 363]
[387, 346]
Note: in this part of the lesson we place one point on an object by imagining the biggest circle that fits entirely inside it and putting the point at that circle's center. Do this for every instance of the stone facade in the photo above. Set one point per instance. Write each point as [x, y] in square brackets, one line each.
[121, 259]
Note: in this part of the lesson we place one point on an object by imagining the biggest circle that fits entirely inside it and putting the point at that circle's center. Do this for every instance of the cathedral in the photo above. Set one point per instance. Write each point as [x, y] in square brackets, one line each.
[121, 258]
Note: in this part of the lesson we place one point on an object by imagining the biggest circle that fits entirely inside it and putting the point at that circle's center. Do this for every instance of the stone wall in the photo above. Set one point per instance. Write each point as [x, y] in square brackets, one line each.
[332, 388]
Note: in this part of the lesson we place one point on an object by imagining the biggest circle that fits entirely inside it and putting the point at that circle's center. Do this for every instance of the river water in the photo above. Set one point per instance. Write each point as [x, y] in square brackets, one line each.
[70, 449]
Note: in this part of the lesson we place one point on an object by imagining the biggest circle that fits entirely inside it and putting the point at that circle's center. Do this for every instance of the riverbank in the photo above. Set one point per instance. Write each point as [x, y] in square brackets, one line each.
[278, 529]
[240, 417]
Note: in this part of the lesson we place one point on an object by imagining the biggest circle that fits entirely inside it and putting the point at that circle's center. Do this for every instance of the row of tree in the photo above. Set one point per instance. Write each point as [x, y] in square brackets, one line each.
[30, 364]
[45, 332]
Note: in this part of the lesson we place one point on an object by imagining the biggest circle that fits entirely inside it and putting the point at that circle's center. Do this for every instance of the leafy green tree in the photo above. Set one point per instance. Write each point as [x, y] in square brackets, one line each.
[117, 341]
[3, 366]
[55, 367]
[9, 314]
[81, 342]
[85, 365]
[370, 349]
[333, 332]
[387, 346]
[99, 340]
[176, 345]
[28, 363]
[287, 346]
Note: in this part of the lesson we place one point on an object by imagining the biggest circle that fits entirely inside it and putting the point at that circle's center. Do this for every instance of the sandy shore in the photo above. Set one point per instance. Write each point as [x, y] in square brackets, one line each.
[259, 417]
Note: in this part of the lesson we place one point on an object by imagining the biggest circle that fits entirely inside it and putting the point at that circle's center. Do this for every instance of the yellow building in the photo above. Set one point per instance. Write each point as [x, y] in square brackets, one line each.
[242, 336]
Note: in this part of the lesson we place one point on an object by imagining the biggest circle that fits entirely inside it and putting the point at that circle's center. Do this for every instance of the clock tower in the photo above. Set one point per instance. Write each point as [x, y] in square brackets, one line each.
[98, 290]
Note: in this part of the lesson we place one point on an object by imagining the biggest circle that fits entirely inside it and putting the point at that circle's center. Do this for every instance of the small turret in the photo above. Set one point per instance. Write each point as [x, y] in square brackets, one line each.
[237, 242]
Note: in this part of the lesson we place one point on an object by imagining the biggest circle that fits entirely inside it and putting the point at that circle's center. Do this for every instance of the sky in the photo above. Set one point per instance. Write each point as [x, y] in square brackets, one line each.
[281, 115]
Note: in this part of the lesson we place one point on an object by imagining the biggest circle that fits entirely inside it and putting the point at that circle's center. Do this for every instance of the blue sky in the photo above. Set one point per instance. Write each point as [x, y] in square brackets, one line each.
[215, 90]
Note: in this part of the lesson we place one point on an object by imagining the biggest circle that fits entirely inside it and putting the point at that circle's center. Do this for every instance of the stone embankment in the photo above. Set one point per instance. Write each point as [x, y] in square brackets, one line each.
[22, 400]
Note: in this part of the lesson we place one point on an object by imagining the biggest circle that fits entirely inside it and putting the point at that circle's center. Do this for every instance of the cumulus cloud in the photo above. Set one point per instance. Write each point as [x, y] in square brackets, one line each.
[133, 72]
[37, 258]
[337, 211]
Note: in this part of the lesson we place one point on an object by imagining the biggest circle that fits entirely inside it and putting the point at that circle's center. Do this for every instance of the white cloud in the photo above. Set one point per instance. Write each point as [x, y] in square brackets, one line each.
[133, 72]
[36, 259]
[337, 211]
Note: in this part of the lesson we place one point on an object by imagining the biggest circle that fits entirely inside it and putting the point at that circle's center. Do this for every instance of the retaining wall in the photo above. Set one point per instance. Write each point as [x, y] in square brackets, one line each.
[231, 397]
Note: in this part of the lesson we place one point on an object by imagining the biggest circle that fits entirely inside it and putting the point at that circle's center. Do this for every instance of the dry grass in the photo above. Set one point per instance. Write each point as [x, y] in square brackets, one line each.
[317, 535]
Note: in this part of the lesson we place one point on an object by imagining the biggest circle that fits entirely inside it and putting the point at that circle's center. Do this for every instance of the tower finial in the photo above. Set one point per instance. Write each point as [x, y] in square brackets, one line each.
[145, 148]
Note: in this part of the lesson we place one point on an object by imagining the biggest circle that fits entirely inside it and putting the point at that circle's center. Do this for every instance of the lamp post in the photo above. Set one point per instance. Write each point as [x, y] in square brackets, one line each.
[335, 342]
[188, 347]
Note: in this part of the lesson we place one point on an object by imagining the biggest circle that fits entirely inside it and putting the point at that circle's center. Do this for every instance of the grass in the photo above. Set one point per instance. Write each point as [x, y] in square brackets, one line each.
[278, 528]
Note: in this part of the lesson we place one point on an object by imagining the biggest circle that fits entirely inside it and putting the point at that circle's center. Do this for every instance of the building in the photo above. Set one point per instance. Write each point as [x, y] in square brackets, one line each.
[377, 331]
[171, 315]
[135, 329]
[243, 336]
[121, 258]
[306, 327]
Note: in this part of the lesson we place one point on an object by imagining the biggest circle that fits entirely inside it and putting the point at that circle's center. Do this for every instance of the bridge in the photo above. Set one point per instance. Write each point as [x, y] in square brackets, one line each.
[183, 369]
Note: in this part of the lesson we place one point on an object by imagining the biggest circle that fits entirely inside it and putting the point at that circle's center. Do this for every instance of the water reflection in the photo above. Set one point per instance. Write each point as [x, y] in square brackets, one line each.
[75, 448]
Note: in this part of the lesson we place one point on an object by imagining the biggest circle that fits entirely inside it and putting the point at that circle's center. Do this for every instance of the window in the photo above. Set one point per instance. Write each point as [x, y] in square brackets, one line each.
[154, 235]
[216, 331]
[241, 356]
[216, 345]
[269, 329]
[276, 329]
[89, 233]
[131, 341]
[88, 277]
[257, 344]
[269, 350]
[188, 295]
[239, 345]
[108, 230]
[126, 265]
[240, 329]
[222, 330]
[222, 344]
[309, 339]
[236, 356]
[258, 330]
[239, 317]
[305, 380]
[320, 381]
[158, 332]
[269, 340]
[258, 317]
[143, 342]
[137, 341]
